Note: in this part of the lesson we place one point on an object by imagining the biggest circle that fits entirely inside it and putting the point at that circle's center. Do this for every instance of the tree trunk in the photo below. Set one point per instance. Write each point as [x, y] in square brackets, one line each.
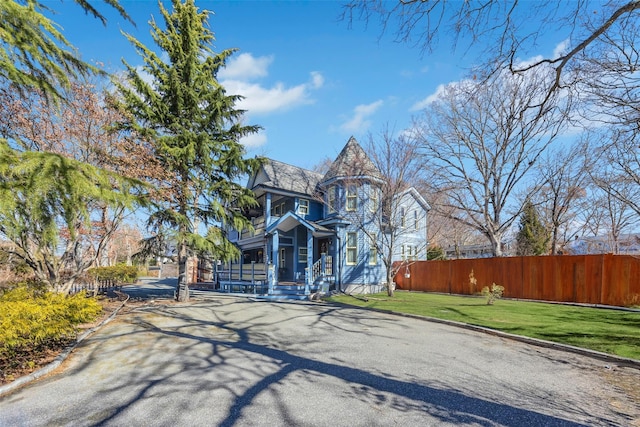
[182, 293]
[391, 286]
[496, 245]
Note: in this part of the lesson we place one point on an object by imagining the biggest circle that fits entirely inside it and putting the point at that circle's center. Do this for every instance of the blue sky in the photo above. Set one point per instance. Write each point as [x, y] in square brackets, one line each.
[309, 80]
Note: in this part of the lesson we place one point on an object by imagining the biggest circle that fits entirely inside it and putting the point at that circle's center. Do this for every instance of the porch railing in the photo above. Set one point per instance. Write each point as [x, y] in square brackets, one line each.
[258, 228]
[254, 272]
[322, 268]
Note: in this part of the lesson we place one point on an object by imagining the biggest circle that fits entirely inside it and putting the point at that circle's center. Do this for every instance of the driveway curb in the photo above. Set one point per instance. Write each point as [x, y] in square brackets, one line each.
[623, 361]
[60, 358]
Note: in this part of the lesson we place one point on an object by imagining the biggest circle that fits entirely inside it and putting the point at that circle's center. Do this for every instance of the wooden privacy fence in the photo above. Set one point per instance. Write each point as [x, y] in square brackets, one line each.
[593, 279]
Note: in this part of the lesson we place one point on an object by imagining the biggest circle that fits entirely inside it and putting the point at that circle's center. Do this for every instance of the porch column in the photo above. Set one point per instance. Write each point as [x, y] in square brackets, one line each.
[307, 278]
[275, 258]
[267, 210]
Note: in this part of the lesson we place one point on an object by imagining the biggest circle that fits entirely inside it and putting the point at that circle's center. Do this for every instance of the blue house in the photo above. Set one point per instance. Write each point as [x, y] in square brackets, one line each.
[320, 231]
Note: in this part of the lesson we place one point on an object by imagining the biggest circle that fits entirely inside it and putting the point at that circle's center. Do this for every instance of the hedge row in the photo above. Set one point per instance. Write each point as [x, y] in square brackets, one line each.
[118, 273]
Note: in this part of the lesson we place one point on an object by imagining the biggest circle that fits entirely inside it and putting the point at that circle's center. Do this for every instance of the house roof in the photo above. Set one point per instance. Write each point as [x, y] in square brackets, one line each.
[352, 162]
[290, 221]
[282, 176]
[417, 196]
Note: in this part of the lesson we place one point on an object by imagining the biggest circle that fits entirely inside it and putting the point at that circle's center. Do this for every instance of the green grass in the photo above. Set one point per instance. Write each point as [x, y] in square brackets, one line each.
[609, 331]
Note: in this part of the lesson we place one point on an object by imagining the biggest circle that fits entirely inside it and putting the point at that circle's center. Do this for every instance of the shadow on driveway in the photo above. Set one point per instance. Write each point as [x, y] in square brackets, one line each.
[148, 288]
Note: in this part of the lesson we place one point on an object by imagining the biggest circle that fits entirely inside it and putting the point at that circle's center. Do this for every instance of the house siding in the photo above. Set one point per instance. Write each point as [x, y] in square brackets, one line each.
[285, 228]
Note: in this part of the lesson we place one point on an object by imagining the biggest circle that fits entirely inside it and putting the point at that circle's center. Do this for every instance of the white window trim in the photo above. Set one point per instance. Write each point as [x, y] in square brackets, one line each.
[302, 255]
[303, 207]
[373, 259]
[331, 199]
[352, 195]
[374, 202]
[351, 248]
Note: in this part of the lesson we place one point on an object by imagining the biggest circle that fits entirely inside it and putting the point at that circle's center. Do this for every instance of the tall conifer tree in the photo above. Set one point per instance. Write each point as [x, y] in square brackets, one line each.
[533, 237]
[196, 130]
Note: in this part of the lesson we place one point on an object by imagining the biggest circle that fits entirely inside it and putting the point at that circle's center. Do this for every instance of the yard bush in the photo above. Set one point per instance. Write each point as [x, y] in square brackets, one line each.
[119, 273]
[32, 318]
[492, 293]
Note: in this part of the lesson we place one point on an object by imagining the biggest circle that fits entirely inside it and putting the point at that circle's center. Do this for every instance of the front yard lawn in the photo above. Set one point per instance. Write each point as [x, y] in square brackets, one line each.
[609, 331]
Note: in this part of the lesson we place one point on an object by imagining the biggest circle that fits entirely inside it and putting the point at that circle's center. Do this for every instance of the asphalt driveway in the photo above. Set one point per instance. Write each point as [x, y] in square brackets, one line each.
[236, 362]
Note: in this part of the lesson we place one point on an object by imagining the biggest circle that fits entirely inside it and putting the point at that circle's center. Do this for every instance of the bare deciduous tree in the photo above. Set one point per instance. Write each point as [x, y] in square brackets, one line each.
[507, 31]
[480, 140]
[562, 180]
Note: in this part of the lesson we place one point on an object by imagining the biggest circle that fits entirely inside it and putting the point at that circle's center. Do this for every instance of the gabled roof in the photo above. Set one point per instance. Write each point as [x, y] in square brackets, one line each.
[352, 162]
[289, 221]
[417, 197]
[281, 176]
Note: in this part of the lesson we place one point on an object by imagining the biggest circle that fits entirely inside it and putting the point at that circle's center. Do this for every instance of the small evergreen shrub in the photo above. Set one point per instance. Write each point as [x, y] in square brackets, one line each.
[31, 317]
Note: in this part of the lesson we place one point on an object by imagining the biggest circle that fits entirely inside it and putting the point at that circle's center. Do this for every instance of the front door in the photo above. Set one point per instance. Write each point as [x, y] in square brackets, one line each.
[322, 248]
[285, 264]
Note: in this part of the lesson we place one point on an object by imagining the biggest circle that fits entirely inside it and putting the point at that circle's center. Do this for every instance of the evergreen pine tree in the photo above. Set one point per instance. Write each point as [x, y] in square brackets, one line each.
[533, 238]
[196, 130]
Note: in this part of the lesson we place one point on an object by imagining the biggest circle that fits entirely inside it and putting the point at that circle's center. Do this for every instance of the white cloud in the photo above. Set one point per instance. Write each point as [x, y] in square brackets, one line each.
[246, 67]
[238, 79]
[561, 49]
[254, 140]
[262, 100]
[361, 113]
[317, 80]
[420, 105]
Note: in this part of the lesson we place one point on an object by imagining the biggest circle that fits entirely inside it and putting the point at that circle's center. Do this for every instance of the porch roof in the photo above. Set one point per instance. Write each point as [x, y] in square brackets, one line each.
[290, 220]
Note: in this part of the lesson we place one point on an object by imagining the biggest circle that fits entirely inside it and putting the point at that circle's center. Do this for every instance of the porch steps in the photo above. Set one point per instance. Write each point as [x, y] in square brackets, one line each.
[290, 292]
[284, 291]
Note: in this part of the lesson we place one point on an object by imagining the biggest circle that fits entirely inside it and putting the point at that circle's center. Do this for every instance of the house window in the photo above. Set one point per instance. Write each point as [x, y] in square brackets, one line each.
[277, 210]
[403, 218]
[332, 199]
[373, 255]
[373, 199]
[302, 255]
[415, 253]
[303, 207]
[282, 263]
[352, 248]
[352, 198]
[402, 253]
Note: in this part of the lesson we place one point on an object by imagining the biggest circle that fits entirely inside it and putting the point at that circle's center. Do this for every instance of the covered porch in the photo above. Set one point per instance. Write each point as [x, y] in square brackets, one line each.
[301, 250]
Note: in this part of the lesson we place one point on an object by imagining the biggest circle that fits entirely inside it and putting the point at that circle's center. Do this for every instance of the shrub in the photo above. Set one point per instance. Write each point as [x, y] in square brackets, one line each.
[31, 317]
[435, 253]
[492, 293]
[118, 273]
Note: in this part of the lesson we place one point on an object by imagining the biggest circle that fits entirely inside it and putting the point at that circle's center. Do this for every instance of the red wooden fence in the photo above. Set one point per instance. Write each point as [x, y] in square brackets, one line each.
[594, 279]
